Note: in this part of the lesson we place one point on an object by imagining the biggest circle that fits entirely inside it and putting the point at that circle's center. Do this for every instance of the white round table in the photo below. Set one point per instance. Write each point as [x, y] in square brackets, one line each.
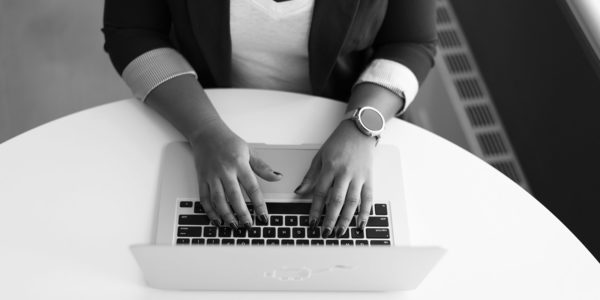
[77, 192]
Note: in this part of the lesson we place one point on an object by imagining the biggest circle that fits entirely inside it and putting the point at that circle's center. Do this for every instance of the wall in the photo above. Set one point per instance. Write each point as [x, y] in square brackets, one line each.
[52, 62]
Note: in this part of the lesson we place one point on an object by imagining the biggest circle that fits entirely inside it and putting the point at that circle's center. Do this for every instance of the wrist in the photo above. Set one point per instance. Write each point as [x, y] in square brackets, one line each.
[348, 129]
[208, 129]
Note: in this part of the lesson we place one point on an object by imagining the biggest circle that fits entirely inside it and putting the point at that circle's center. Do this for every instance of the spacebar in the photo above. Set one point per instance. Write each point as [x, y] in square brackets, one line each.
[288, 208]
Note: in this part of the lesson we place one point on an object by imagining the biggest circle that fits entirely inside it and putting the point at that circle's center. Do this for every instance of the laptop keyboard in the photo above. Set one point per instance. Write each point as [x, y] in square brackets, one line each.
[287, 226]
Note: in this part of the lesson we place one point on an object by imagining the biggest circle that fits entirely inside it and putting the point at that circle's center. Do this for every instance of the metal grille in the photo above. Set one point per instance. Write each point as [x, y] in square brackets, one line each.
[448, 39]
[468, 88]
[480, 115]
[458, 63]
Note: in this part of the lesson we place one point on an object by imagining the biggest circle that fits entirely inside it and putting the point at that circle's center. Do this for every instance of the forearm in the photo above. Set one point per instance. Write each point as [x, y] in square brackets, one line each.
[183, 102]
[369, 94]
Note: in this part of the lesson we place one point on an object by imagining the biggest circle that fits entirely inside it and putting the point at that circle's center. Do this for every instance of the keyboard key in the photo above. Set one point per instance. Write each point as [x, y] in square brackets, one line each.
[283, 232]
[272, 242]
[250, 208]
[381, 243]
[314, 233]
[332, 242]
[347, 242]
[186, 204]
[378, 222]
[258, 222]
[183, 241]
[225, 231]
[194, 220]
[304, 221]
[212, 241]
[353, 222]
[287, 242]
[317, 242]
[276, 220]
[254, 232]
[228, 242]
[346, 234]
[198, 207]
[302, 242]
[362, 243]
[378, 233]
[258, 242]
[243, 242]
[381, 209]
[210, 231]
[321, 220]
[197, 241]
[289, 208]
[189, 231]
[240, 232]
[291, 220]
[371, 211]
[299, 232]
[269, 232]
[357, 233]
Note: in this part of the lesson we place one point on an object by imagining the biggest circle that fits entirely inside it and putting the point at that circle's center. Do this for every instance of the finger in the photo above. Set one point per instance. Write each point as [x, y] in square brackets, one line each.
[366, 201]
[337, 197]
[205, 202]
[319, 195]
[217, 197]
[233, 193]
[309, 180]
[250, 185]
[350, 205]
[262, 169]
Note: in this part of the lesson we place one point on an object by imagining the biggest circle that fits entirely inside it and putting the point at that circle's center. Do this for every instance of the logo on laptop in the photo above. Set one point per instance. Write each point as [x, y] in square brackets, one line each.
[286, 273]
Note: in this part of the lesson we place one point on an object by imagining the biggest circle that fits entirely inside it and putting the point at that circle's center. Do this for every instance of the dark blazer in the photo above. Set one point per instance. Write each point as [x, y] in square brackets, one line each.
[345, 36]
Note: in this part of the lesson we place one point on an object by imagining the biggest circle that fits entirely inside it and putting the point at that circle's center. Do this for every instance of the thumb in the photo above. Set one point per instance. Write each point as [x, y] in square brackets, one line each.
[262, 169]
[311, 175]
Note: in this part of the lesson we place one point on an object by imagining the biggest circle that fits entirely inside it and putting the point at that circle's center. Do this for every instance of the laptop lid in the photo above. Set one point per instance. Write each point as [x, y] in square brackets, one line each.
[285, 268]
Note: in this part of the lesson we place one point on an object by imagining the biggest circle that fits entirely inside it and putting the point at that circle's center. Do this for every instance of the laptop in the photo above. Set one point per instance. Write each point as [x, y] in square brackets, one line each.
[189, 253]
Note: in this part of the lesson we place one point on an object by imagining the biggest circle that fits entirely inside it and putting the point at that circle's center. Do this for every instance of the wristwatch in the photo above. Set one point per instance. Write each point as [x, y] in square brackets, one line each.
[368, 120]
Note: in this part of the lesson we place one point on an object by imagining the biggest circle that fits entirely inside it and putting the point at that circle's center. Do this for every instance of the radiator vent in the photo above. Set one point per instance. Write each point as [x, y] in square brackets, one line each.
[492, 143]
[508, 168]
[442, 16]
[468, 88]
[480, 115]
[458, 63]
[448, 39]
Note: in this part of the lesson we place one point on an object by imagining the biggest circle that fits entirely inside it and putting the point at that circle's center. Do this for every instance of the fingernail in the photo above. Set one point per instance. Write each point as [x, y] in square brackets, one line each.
[248, 225]
[263, 219]
[362, 225]
[216, 222]
[339, 232]
[277, 173]
[233, 225]
[313, 224]
[326, 233]
[297, 189]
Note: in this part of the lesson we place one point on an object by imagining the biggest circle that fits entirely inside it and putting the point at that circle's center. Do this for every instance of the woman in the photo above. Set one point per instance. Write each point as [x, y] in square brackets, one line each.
[368, 53]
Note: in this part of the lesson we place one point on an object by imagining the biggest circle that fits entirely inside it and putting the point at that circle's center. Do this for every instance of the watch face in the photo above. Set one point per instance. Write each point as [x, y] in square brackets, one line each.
[371, 119]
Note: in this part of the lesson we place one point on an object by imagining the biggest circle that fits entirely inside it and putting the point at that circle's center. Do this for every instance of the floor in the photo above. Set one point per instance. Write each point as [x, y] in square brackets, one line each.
[51, 62]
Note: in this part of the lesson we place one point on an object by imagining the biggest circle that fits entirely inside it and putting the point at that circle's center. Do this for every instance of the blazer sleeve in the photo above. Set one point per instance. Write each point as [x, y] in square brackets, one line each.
[408, 35]
[134, 27]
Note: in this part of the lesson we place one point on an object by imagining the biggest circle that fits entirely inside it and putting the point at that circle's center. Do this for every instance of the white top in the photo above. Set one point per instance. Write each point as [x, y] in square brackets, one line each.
[269, 51]
[69, 213]
[277, 58]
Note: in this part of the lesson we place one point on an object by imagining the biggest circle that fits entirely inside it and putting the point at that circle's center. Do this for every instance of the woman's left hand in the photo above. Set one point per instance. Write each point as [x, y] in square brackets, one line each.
[340, 178]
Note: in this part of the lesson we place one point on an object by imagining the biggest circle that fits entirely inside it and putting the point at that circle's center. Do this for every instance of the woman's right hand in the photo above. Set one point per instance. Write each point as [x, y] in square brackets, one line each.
[225, 166]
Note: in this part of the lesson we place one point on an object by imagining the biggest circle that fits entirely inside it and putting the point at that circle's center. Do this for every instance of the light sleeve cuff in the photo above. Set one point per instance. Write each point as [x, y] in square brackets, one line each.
[151, 69]
[393, 76]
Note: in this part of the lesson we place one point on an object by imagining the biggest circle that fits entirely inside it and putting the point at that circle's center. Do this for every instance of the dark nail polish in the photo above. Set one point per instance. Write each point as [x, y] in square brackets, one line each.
[362, 225]
[326, 233]
[297, 189]
[339, 232]
[247, 225]
[233, 225]
[263, 219]
[217, 223]
[277, 173]
[313, 224]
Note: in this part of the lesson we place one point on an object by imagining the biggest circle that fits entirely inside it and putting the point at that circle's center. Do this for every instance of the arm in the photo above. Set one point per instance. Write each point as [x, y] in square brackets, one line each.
[340, 174]
[136, 33]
